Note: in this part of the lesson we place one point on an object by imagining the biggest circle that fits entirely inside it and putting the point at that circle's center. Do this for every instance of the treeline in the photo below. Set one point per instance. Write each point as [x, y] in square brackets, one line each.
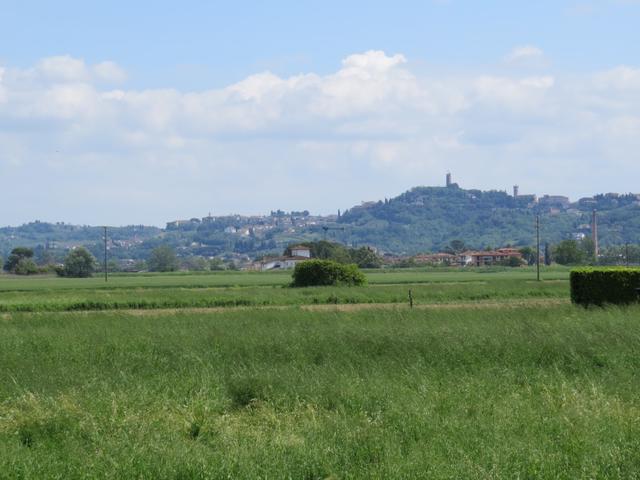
[78, 263]
[364, 257]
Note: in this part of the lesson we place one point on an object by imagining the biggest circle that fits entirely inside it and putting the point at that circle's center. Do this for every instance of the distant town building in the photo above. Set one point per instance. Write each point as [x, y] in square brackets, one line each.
[554, 201]
[528, 200]
[208, 219]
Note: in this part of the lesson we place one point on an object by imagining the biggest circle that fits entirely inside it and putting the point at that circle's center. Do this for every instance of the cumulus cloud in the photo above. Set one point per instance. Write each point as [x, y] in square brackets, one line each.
[619, 78]
[63, 68]
[526, 56]
[109, 72]
[367, 130]
[3, 94]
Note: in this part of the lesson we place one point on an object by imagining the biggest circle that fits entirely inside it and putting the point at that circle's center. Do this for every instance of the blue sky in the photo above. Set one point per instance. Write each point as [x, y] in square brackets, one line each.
[119, 113]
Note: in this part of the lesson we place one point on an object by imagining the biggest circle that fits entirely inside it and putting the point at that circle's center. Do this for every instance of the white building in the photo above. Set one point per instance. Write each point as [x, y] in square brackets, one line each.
[301, 251]
[281, 263]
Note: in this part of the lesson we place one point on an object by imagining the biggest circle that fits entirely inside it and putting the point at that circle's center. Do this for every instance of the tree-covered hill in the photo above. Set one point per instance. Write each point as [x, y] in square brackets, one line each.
[429, 218]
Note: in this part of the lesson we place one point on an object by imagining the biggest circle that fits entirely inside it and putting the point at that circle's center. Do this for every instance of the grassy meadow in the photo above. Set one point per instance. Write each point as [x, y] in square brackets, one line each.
[227, 289]
[493, 376]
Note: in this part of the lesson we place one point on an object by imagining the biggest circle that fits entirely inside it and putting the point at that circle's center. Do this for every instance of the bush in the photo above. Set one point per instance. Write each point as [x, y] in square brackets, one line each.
[600, 286]
[511, 262]
[163, 259]
[79, 264]
[25, 266]
[313, 273]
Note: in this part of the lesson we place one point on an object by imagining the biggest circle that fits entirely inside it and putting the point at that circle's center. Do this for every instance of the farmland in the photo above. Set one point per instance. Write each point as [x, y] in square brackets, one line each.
[491, 375]
[269, 289]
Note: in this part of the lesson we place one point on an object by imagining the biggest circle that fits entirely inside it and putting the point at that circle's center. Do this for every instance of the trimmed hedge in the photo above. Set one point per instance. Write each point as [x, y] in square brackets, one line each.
[600, 286]
[312, 273]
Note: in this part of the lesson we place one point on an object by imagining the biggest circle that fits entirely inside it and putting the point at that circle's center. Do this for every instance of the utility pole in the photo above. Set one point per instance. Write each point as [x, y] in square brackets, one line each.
[105, 255]
[626, 254]
[538, 247]
[594, 235]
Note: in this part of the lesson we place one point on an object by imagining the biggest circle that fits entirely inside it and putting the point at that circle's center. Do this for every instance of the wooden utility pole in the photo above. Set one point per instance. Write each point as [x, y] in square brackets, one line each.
[626, 254]
[538, 247]
[594, 235]
[105, 255]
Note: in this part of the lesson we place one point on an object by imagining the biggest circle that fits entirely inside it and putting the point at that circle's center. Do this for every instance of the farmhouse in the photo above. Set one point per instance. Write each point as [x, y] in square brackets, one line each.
[436, 259]
[300, 251]
[280, 263]
[485, 258]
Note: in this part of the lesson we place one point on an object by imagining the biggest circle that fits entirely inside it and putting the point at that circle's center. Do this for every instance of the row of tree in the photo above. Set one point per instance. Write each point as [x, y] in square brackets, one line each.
[81, 263]
[78, 263]
[364, 257]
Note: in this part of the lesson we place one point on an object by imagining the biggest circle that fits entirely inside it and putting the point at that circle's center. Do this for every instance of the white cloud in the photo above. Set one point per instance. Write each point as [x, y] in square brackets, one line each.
[3, 93]
[524, 52]
[373, 60]
[367, 130]
[109, 72]
[63, 68]
[619, 78]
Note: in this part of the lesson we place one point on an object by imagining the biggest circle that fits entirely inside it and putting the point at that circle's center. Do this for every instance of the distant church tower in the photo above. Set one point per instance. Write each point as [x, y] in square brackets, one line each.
[515, 191]
[449, 179]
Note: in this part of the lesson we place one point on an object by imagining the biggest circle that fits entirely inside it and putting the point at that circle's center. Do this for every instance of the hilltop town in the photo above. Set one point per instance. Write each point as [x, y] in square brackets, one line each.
[422, 221]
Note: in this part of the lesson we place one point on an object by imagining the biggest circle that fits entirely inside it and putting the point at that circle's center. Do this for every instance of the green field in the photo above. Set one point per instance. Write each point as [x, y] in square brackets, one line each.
[492, 375]
[269, 289]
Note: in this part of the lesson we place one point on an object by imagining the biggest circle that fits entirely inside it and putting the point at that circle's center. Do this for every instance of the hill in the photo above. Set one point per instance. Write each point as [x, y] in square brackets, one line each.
[420, 220]
[429, 218]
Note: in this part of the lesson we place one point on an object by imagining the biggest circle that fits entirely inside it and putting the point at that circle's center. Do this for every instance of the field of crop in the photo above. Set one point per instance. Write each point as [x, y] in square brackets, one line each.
[492, 375]
[270, 289]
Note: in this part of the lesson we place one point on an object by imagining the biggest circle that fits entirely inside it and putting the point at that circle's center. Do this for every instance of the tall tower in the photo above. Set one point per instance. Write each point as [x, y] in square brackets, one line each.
[448, 179]
[515, 191]
[594, 234]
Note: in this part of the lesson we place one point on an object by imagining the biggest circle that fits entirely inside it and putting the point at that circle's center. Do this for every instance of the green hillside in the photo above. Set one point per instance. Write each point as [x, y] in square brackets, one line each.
[429, 218]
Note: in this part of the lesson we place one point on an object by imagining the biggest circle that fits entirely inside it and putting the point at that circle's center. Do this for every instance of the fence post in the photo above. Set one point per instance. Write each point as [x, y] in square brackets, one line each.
[410, 299]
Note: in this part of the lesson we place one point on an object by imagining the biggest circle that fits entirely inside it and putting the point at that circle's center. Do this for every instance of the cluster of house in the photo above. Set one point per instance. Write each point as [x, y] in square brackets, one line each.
[470, 258]
[256, 225]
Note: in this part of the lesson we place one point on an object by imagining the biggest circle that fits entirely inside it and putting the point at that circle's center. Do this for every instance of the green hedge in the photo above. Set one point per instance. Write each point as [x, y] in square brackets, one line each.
[600, 286]
[311, 273]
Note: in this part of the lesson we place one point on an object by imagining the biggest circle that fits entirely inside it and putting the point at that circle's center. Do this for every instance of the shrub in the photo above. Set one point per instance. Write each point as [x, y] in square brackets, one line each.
[511, 262]
[25, 266]
[313, 273]
[163, 259]
[79, 263]
[599, 286]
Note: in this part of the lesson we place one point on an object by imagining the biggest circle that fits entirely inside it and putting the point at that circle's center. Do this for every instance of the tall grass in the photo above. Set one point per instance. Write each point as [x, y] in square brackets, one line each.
[255, 279]
[491, 393]
[66, 299]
